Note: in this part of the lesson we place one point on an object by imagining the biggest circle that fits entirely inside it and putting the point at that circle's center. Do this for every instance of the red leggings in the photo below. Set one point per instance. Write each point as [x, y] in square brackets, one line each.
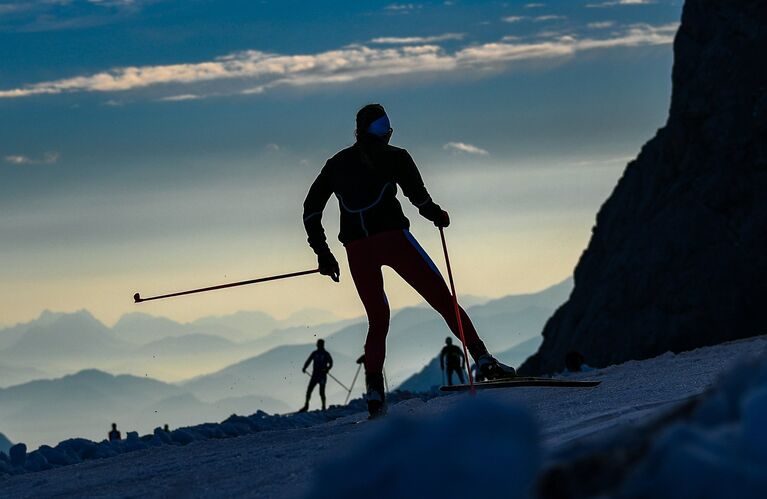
[399, 250]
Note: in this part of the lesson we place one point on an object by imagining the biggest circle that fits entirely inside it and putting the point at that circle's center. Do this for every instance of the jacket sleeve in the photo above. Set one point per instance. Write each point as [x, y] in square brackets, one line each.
[308, 361]
[330, 362]
[314, 204]
[409, 179]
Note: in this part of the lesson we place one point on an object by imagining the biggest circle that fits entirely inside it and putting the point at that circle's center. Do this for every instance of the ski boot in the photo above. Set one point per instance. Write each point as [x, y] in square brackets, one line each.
[376, 395]
[304, 409]
[489, 369]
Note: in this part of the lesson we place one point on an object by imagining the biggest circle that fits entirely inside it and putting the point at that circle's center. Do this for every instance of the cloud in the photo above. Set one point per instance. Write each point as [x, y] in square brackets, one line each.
[403, 7]
[181, 97]
[463, 147]
[601, 25]
[613, 3]
[409, 40]
[534, 5]
[113, 3]
[48, 158]
[254, 72]
[549, 17]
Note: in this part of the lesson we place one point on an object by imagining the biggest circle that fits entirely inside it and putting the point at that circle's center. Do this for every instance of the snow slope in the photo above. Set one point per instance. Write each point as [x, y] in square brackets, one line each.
[421, 443]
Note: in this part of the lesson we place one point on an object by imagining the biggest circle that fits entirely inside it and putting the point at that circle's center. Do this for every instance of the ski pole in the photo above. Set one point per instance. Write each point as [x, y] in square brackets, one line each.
[348, 395]
[455, 306]
[137, 297]
[334, 378]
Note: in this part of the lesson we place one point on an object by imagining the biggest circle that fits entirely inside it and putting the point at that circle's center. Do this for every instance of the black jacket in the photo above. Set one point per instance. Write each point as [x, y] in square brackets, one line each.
[323, 363]
[366, 189]
[453, 355]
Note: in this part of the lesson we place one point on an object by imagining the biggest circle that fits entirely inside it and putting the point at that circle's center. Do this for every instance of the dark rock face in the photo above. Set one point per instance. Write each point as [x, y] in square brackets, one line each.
[678, 257]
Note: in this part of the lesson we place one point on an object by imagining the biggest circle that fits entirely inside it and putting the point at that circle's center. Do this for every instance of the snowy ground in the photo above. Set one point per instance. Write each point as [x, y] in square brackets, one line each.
[416, 441]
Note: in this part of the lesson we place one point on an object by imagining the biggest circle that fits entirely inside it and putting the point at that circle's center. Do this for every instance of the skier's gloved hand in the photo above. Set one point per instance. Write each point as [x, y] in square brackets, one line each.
[442, 219]
[329, 266]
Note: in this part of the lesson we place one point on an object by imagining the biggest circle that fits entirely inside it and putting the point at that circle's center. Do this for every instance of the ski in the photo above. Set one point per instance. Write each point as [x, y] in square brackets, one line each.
[520, 382]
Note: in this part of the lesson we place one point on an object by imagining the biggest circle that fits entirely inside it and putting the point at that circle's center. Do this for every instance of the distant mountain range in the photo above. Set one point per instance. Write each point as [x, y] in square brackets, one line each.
[220, 364]
[146, 345]
[86, 403]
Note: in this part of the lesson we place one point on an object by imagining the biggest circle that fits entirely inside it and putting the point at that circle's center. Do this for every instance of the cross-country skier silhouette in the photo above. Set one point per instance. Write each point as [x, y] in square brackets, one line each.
[365, 177]
[322, 363]
[452, 357]
[115, 433]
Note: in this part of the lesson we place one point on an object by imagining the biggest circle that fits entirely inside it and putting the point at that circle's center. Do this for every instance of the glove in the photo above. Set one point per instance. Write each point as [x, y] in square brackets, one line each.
[329, 266]
[442, 219]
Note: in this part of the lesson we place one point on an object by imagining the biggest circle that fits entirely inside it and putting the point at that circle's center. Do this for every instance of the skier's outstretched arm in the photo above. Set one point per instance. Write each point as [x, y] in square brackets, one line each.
[314, 204]
[409, 178]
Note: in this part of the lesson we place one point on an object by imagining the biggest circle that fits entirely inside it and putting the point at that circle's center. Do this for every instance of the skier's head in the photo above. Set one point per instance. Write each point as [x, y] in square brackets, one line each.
[373, 123]
[321, 344]
[448, 341]
[114, 426]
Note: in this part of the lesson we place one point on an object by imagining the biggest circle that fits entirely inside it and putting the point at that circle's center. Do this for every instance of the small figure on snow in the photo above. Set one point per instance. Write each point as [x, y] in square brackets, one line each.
[322, 364]
[452, 357]
[375, 232]
[114, 435]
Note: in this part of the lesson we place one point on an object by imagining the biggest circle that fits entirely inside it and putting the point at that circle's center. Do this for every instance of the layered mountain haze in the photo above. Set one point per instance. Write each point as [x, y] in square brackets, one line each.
[13, 375]
[146, 345]
[184, 373]
[86, 403]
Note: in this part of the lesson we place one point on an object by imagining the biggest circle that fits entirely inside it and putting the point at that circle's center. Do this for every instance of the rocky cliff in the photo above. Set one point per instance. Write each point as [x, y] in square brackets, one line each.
[678, 256]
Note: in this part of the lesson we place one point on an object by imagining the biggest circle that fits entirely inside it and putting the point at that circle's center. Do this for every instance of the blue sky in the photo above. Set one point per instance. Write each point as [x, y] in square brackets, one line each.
[154, 145]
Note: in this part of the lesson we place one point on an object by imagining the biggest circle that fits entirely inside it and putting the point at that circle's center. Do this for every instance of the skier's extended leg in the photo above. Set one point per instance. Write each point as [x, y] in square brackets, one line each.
[460, 375]
[414, 265]
[366, 272]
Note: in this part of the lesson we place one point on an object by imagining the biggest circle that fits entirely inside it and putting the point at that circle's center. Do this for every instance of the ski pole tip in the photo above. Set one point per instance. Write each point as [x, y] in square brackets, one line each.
[137, 298]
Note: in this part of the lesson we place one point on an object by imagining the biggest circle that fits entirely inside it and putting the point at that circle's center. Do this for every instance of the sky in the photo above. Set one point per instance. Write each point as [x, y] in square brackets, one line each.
[156, 145]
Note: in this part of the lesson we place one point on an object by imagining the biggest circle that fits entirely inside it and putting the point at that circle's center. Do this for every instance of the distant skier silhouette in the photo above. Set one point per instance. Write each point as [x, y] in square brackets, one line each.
[452, 357]
[114, 435]
[364, 177]
[322, 363]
